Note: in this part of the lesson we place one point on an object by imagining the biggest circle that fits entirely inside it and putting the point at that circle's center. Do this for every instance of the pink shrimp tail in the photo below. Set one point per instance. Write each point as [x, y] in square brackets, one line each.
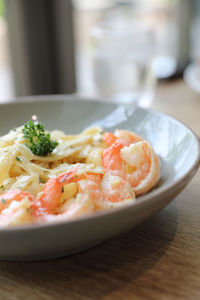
[111, 157]
[109, 138]
[71, 176]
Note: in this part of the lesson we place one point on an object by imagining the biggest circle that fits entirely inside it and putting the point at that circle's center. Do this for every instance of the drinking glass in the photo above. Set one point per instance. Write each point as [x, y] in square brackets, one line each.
[122, 54]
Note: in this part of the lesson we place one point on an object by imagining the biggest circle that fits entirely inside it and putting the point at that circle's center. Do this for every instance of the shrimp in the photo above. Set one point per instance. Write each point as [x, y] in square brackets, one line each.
[127, 136]
[14, 207]
[52, 190]
[80, 206]
[109, 138]
[9, 196]
[107, 192]
[49, 199]
[121, 136]
[17, 213]
[133, 159]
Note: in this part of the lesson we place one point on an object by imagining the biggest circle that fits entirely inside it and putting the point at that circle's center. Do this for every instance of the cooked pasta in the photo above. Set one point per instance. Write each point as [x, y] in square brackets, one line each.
[85, 173]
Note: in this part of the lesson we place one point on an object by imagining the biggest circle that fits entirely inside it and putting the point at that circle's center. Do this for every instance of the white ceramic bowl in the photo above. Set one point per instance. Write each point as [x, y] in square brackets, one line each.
[176, 145]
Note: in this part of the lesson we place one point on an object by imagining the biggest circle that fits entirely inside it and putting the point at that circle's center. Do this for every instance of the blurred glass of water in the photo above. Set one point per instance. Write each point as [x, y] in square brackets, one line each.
[122, 53]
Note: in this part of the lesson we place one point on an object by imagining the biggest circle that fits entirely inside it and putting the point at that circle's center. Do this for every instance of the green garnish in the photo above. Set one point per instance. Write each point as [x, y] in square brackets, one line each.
[38, 141]
[3, 201]
[2, 187]
[41, 180]
[18, 158]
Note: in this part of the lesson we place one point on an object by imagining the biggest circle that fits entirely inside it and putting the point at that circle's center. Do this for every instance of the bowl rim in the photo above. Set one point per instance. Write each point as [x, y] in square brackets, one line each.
[141, 200]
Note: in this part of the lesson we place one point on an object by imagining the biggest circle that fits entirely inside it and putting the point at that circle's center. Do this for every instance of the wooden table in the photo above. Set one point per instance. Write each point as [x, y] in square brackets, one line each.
[157, 260]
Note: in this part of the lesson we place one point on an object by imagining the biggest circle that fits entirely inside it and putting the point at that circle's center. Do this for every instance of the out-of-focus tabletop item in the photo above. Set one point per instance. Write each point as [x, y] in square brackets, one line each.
[192, 72]
[192, 76]
[171, 21]
[162, 27]
[122, 54]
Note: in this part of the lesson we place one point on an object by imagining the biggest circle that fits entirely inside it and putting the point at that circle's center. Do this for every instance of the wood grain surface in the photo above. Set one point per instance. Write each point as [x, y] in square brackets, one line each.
[159, 259]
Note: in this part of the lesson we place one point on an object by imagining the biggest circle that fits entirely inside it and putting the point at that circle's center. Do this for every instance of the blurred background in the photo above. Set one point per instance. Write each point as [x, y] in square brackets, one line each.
[115, 49]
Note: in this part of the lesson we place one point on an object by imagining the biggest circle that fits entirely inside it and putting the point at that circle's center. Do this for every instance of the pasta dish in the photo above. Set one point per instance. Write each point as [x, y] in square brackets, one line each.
[62, 177]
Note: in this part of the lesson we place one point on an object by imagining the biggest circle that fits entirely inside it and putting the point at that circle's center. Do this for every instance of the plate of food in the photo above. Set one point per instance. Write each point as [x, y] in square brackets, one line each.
[76, 172]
